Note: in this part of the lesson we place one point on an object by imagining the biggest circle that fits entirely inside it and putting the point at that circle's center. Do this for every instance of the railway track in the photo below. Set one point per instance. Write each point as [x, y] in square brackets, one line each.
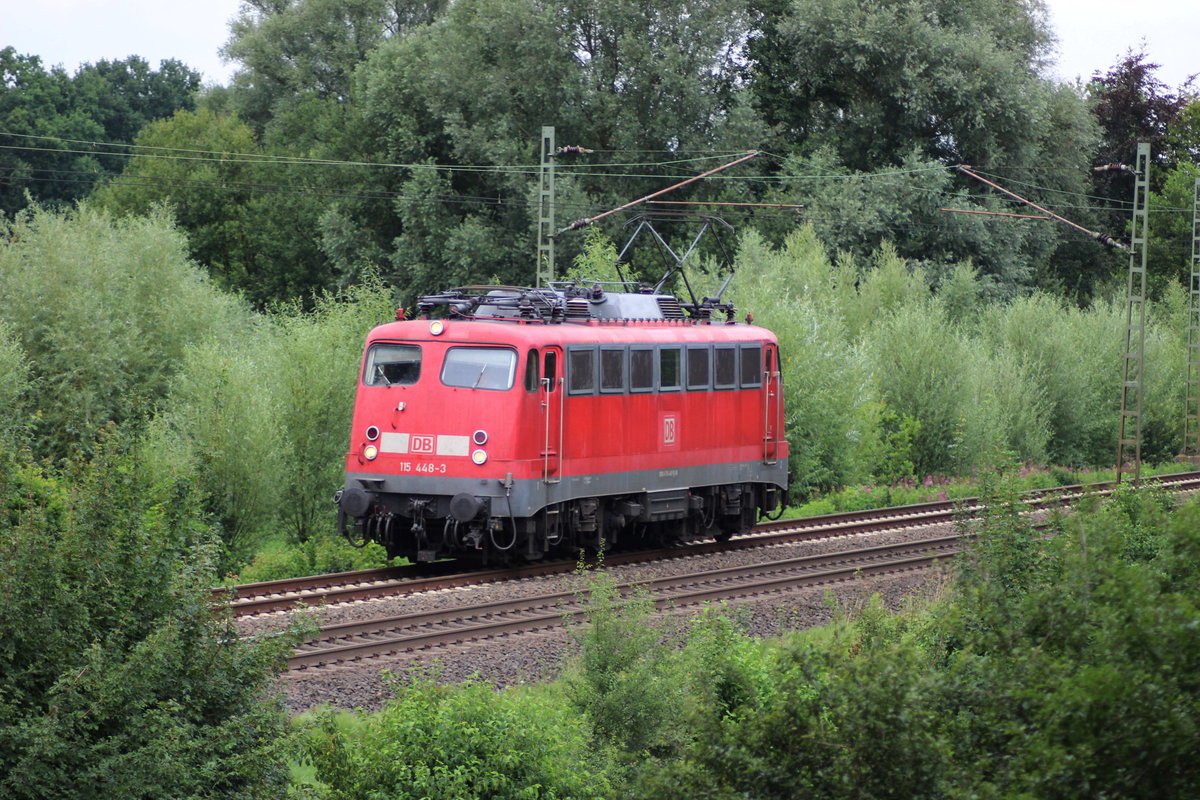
[258, 598]
[352, 642]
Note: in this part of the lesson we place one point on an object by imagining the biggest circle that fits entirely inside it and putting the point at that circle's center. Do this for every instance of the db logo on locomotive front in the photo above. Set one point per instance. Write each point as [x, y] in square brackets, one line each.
[421, 444]
[669, 431]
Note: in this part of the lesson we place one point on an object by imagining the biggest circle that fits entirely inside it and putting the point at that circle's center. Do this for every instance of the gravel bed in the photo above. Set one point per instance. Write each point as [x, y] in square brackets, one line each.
[530, 658]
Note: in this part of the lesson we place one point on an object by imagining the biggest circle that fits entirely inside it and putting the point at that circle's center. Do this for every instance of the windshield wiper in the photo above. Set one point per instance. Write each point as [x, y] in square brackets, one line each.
[379, 369]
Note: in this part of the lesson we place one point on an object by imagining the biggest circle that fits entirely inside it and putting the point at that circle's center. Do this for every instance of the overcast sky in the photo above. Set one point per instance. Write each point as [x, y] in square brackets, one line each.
[1093, 34]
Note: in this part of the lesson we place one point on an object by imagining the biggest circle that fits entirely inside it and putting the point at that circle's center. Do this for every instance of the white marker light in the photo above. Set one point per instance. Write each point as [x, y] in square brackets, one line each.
[479, 457]
[370, 452]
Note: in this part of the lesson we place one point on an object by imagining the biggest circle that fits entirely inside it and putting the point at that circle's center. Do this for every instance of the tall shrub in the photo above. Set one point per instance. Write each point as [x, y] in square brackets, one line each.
[118, 677]
[1006, 413]
[917, 360]
[104, 309]
[14, 383]
[458, 742]
[794, 291]
[316, 358]
[222, 424]
[263, 423]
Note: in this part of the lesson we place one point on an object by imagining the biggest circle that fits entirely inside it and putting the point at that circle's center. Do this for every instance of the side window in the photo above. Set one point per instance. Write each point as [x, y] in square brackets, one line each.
[551, 371]
[612, 369]
[531, 371]
[697, 368]
[669, 370]
[641, 369]
[751, 366]
[581, 371]
[392, 365]
[725, 367]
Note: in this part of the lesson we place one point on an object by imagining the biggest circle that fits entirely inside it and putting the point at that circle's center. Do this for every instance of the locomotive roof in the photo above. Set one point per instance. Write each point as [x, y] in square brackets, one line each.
[568, 314]
[585, 332]
[568, 302]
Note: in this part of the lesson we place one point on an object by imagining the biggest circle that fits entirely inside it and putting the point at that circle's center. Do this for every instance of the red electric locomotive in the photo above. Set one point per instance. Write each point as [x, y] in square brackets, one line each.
[519, 422]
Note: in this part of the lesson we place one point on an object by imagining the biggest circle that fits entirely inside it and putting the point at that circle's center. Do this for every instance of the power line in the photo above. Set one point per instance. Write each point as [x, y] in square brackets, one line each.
[268, 158]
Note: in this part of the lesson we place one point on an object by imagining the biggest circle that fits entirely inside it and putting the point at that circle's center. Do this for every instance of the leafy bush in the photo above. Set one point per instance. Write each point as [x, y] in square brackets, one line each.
[793, 292]
[456, 743]
[263, 423]
[14, 383]
[222, 424]
[1049, 641]
[319, 555]
[621, 679]
[117, 675]
[918, 359]
[103, 309]
[887, 377]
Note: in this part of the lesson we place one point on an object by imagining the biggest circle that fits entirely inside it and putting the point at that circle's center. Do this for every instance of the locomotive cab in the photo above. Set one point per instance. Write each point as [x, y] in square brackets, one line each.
[436, 438]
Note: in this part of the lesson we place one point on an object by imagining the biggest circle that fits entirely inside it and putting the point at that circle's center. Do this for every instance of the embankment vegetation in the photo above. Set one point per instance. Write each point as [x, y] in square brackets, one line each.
[1045, 667]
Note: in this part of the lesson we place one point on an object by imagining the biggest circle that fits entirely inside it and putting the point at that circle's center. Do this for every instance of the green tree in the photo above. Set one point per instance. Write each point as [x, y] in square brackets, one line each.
[1133, 105]
[1173, 205]
[869, 99]
[452, 97]
[956, 80]
[292, 52]
[250, 217]
[51, 120]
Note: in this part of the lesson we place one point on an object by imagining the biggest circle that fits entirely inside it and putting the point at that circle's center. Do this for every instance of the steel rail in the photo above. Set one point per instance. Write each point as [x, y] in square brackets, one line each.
[354, 641]
[287, 594]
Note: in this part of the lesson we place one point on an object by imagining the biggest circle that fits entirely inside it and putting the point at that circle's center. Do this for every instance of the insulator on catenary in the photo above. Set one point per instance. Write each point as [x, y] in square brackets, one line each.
[572, 149]
[1108, 241]
[1113, 168]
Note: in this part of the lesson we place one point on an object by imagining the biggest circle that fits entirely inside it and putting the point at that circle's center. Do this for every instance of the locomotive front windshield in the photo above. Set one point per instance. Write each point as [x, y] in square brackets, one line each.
[480, 367]
[392, 365]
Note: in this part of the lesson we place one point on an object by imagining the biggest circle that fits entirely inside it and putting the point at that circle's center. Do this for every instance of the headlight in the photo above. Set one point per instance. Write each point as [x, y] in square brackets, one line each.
[479, 457]
[436, 327]
[370, 451]
[479, 437]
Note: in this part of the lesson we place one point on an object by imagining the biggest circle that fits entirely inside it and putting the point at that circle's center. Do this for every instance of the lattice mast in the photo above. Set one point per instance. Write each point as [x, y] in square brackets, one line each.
[546, 231]
[1191, 410]
[1129, 434]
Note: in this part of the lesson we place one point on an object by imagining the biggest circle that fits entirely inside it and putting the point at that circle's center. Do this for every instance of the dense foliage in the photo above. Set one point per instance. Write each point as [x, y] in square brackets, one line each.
[362, 135]
[888, 377]
[1044, 668]
[58, 131]
[894, 371]
[103, 311]
[118, 675]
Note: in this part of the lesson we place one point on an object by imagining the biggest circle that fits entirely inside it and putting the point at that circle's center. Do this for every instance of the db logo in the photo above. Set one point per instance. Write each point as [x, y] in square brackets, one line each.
[421, 444]
[668, 430]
